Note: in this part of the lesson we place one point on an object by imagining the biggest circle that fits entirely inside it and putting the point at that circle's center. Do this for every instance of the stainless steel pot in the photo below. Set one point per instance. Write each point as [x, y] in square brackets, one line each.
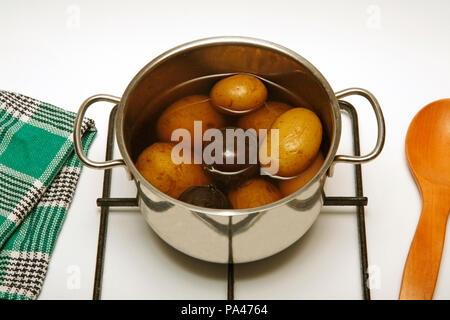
[228, 235]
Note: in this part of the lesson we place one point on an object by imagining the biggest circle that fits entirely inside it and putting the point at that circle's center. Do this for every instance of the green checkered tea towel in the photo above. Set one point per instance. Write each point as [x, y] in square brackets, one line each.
[38, 175]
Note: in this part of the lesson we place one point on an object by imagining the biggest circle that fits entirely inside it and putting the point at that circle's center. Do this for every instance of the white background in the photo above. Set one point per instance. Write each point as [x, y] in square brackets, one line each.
[64, 51]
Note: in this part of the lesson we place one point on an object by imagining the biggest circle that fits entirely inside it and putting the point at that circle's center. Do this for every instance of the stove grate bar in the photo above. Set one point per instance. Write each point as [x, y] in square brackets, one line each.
[328, 201]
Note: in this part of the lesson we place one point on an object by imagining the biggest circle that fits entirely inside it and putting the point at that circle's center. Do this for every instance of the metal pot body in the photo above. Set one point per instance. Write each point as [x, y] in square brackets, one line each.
[227, 235]
[232, 238]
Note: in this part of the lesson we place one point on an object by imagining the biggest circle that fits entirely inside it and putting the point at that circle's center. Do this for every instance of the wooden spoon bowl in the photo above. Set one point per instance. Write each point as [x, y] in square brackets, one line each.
[428, 155]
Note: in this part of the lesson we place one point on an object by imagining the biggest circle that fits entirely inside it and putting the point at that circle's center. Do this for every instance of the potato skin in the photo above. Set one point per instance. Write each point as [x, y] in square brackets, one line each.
[182, 114]
[155, 164]
[263, 117]
[254, 193]
[240, 93]
[300, 136]
[290, 186]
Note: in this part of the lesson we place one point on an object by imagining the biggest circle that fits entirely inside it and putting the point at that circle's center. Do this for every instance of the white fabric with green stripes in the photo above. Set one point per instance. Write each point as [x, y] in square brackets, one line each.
[38, 176]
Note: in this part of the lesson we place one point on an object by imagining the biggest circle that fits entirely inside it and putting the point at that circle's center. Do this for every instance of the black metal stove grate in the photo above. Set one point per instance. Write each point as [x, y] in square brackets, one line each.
[359, 201]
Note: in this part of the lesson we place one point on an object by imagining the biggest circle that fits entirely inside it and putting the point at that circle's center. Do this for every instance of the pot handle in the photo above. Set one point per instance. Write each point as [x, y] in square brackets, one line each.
[380, 122]
[77, 133]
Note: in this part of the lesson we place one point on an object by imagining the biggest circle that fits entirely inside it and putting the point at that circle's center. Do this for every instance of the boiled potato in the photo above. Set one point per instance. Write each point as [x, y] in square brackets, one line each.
[263, 117]
[253, 193]
[290, 186]
[241, 93]
[300, 135]
[156, 165]
[183, 113]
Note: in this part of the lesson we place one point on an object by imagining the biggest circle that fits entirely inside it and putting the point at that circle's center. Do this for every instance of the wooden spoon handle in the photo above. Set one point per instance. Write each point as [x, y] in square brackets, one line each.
[424, 258]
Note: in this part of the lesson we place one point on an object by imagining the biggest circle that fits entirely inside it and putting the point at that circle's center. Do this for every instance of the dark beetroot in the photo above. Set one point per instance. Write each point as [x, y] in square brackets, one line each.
[206, 196]
[238, 158]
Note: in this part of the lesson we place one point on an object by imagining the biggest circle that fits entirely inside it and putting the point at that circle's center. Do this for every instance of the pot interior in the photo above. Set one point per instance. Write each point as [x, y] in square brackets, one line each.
[193, 69]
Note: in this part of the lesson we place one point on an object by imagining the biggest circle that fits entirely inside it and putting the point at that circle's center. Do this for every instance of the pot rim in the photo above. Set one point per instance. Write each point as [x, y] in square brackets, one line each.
[227, 40]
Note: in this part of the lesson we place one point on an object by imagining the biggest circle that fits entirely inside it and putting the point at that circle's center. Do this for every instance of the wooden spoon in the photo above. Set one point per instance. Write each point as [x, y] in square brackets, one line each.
[428, 154]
